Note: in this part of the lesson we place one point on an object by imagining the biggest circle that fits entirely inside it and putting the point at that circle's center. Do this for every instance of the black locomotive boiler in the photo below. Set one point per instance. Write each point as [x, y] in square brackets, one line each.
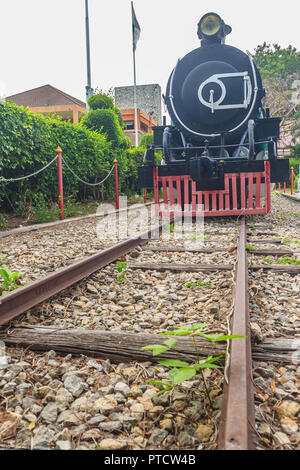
[220, 152]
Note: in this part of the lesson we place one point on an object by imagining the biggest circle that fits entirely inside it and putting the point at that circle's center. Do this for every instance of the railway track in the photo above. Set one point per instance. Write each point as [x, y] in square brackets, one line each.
[236, 426]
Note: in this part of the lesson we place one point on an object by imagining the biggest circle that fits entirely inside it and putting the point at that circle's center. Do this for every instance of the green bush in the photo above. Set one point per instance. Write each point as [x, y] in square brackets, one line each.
[106, 122]
[147, 139]
[295, 162]
[28, 141]
[101, 101]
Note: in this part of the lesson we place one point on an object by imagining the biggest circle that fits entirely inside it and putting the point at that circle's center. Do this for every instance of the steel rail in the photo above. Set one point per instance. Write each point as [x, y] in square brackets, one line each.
[24, 298]
[237, 414]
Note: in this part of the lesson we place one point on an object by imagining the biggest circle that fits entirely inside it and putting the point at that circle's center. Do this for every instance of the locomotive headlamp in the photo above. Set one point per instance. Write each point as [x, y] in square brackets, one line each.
[212, 28]
[210, 25]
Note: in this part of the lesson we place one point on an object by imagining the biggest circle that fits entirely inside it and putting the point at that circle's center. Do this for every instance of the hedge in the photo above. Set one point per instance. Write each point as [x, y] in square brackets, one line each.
[28, 141]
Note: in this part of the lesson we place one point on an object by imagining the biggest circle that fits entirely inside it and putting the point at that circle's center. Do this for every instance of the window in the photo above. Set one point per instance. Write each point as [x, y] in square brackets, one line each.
[129, 125]
[144, 127]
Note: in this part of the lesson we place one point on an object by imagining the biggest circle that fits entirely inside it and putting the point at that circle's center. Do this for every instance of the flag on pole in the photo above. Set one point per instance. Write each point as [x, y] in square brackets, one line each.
[136, 30]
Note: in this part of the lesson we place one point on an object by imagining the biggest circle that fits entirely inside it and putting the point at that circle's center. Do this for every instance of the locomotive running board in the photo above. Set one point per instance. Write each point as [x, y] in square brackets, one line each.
[214, 203]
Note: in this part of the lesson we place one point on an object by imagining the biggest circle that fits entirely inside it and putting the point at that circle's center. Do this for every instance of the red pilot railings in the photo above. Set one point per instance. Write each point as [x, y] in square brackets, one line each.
[60, 182]
[116, 183]
[244, 193]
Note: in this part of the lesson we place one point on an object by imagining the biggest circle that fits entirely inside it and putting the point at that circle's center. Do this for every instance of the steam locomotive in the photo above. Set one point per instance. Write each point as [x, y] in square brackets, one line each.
[220, 151]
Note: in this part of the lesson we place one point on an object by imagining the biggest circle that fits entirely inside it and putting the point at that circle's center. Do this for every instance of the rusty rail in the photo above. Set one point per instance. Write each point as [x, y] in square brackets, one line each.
[24, 298]
[237, 416]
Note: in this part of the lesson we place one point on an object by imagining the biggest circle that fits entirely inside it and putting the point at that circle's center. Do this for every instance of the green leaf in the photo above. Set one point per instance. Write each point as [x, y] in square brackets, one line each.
[172, 373]
[15, 276]
[171, 342]
[155, 348]
[4, 273]
[174, 363]
[224, 338]
[158, 382]
[198, 326]
[183, 374]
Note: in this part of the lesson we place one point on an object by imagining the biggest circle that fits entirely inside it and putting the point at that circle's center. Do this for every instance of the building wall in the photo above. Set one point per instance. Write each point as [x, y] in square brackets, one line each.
[148, 99]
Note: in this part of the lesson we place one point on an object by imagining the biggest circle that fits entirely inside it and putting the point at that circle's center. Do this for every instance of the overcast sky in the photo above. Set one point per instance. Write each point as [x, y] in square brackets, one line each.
[43, 41]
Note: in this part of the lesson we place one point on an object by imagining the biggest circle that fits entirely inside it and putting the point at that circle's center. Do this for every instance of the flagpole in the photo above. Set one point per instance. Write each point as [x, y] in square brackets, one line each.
[88, 88]
[135, 92]
[135, 104]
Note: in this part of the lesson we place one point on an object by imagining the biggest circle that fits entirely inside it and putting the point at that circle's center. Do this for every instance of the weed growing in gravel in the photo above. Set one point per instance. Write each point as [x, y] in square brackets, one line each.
[11, 280]
[3, 221]
[199, 236]
[184, 370]
[288, 260]
[286, 241]
[267, 260]
[197, 284]
[121, 268]
[249, 248]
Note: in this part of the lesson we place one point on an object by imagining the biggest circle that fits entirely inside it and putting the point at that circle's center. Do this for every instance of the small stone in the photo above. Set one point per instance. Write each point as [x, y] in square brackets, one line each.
[92, 289]
[23, 438]
[288, 425]
[63, 399]
[264, 372]
[137, 410]
[41, 392]
[287, 409]
[185, 439]
[194, 412]
[119, 397]
[280, 393]
[265, 430]
[157, 436]
[49, 413]
[174, 296]
[91, 434]
[122, 388]
[177, 395]
[95, 420]
[112, 444]
[166, 424]
[161, 400]
[135, 391]
[111, 426]
[203, 432]
[179, 405]
[43, 437]
[74, 385]
[256, 333]
[281, 439]
[64, 435]
[28, 402]
[105, 404]
[30, 417]
[130, 373]
[67, 418]
[64, 445]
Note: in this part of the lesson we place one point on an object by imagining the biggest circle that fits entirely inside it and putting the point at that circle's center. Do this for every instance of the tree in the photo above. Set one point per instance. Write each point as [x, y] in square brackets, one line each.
[273, 61]
[280, 70]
